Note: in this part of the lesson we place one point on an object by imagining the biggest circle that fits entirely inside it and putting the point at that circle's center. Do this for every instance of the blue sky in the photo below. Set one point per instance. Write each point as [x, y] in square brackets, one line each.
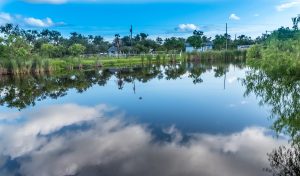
[157, 18]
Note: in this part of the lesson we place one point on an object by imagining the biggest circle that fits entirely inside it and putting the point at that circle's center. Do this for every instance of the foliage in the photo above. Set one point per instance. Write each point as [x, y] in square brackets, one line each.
[219, 42]
[76, 49]
[254, 52]
[49, 50]
[16, 47]
[285, 161]
[296, 21]
[281, 92]
[24, 91]
[174, 43]
[197, 39]
[277, 57]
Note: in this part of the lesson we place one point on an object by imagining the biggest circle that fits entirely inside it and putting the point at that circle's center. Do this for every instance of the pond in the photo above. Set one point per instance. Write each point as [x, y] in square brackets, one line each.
[202, 118]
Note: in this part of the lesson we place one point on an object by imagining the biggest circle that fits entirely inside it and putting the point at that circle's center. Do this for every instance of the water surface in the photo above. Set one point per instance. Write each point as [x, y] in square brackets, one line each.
[175, 119]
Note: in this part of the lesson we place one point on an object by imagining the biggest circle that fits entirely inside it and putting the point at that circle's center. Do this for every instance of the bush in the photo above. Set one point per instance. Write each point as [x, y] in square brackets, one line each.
[254, 52]
[76, 49]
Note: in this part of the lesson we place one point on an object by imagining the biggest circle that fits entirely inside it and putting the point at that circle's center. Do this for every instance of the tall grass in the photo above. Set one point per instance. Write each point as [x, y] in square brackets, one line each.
[277, 58]
[39, 64]
[20, 66]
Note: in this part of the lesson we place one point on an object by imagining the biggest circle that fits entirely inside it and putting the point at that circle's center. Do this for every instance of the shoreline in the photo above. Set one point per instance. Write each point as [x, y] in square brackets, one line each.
[40, 65]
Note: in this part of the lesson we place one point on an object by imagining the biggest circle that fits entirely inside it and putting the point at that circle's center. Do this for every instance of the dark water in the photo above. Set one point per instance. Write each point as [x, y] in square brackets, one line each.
[183, 119]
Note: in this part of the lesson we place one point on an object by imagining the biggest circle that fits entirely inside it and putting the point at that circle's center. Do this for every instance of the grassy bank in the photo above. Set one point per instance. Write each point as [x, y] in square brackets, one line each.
[277, 57]
[37, 64]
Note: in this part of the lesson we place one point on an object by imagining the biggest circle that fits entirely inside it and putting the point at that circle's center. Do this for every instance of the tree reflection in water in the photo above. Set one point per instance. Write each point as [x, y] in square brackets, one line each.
[21, 92]
[282, 93]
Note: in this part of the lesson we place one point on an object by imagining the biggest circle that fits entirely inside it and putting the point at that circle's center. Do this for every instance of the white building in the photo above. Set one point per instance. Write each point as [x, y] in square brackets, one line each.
[205, 47]
[243, 47]
[112, 51]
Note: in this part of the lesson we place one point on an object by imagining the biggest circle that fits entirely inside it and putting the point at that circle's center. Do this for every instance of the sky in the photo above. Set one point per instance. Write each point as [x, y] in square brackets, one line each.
[162, 18]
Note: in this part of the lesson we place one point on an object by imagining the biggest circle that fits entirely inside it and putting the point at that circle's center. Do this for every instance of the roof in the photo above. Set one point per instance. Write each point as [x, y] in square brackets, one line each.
[204, 44]
[188, 45]
[112, 49]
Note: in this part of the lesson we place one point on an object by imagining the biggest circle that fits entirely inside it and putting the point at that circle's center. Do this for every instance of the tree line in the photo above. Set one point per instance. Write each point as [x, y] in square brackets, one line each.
[19, 43]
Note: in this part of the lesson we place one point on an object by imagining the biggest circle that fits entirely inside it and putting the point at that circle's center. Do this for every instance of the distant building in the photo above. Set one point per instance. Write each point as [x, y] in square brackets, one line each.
[205, 47]
[243, 47]
[112, 51]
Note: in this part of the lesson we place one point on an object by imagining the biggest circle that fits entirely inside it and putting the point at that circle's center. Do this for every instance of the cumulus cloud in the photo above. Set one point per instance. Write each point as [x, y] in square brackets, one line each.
[27, 21]
[71, 139]
[288, 4]
[232, 79]
[5, 18]
[38, 22]
[187, 27]
[9, 116]
[234, 17]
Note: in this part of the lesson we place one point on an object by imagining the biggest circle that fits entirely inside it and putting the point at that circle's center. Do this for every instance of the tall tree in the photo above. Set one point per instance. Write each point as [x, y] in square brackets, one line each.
[197, 39]
[117, 42]
[296, 21]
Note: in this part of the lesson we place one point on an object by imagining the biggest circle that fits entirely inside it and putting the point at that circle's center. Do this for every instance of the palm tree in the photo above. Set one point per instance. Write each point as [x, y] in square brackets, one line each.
[296, 20]
[117, 42]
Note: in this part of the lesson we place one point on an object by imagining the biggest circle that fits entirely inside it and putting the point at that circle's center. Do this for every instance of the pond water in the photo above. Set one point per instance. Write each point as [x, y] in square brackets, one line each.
[179, 119]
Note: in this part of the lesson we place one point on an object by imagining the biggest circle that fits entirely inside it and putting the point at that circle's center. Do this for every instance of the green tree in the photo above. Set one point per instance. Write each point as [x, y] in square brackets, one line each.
[16, 47]
[174, 43]
[159, 41]
[2, 47]
[243, 40]
[296, 21]
[48, 50]
[285, 161]
[76, 49]
[197, 39]
[143, 36]
[117, 42]
[220, 41]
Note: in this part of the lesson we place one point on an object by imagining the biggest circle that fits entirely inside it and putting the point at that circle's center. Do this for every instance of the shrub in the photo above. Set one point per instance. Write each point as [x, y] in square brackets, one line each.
[254, 52]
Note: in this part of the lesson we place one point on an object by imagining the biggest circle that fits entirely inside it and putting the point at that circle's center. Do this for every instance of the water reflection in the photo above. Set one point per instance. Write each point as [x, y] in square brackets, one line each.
[21, 92]
[71, 139]
[227, 137]
[282, 94]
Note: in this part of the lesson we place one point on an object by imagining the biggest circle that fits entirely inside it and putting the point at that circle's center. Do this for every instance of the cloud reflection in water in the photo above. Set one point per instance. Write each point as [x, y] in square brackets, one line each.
[78, 140]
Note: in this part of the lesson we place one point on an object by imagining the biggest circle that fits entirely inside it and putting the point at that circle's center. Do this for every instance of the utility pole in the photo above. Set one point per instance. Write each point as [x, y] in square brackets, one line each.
[226, 37]
[131, 39]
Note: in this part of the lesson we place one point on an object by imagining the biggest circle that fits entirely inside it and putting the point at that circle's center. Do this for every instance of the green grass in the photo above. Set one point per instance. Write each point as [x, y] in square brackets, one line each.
[277, 57]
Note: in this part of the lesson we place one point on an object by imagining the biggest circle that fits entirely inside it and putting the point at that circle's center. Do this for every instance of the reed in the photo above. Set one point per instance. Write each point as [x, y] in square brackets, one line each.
[38, 64]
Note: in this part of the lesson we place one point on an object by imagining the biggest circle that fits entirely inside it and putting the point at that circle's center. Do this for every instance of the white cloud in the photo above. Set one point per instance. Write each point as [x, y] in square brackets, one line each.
[9, 116]
[38, 22]
[287, 5]
[256, 15]
[187, 27]
[27, 21]
[5, 18]
[232, 79]
[49, 1]
[111, 146]
[234, 17]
